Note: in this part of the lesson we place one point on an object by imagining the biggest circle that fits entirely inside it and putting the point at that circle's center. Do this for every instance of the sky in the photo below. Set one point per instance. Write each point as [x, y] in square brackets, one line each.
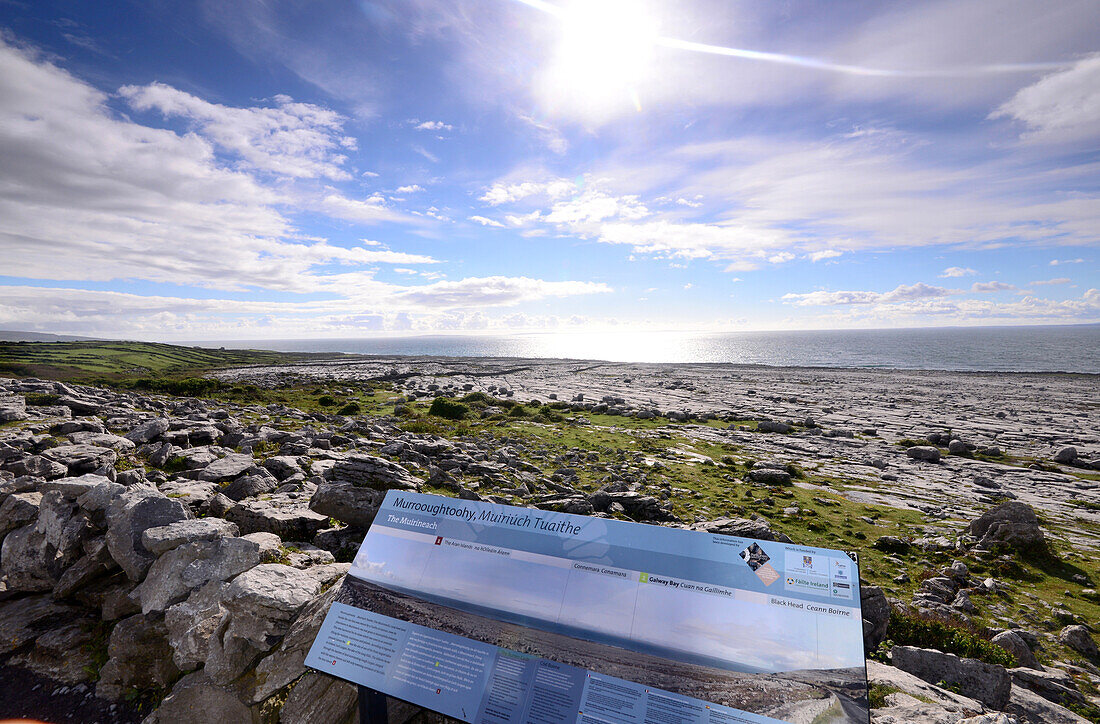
[271, 169]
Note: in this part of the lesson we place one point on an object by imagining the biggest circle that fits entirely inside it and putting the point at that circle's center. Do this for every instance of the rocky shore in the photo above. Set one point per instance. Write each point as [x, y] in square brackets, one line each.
[169, 559]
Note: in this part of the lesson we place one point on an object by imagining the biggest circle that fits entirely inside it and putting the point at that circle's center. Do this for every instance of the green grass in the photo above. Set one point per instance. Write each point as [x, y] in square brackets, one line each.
[114, 361]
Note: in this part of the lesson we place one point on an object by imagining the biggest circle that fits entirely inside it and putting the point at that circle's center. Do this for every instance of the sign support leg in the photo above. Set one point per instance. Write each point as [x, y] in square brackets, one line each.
[372, 707]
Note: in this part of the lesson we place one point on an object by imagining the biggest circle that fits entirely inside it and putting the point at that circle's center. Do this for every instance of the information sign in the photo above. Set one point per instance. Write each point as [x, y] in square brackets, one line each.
[499, 614]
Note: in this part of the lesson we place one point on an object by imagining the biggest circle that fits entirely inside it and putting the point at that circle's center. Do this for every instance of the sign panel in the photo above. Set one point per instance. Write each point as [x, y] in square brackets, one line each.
[499, 614]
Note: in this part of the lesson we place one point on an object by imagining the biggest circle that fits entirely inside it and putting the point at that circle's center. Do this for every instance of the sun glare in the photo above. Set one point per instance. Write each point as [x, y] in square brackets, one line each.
[605, 52]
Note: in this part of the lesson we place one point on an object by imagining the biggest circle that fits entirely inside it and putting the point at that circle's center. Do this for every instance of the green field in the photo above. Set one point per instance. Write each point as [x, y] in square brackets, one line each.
[116, 361]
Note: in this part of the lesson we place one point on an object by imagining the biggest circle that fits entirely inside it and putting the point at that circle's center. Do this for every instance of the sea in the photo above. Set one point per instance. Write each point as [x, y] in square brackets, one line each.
[1068, 348]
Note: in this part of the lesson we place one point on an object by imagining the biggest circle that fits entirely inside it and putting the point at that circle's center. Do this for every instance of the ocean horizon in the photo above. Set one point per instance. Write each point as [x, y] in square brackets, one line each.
[1056, 348]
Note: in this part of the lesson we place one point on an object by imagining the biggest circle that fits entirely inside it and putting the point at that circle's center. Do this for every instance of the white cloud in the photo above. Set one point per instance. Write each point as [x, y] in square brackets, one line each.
[484, 221]
[816, 256]
[1061, 107]
[957, 271]
[508, 193]
[1059, 262]
[902, 293]
[292, 139]
[412, 189]
[495, 291]
[433, 126]
[426, 153]
[371, 210]
[781, 258]
[1049, 282]
[981, 287]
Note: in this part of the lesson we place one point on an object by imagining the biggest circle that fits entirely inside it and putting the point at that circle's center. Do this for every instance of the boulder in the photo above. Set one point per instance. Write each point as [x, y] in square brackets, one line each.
[18, 510]
[102, 439]
[1054, 685]
[741, 528]
[23, 620]
[1011, 642]
[769, 476]
[988, 683]
[12, 408]
[148, 431]
[196, 699]
[1011, 525]
[62, 653]
[79, 459]
[261, 604]
[38, 466]
[1066, 455]
[226, 468]
[924, 453]
[249, 487]
[175, 574]
[286, 517]
[282, 466]
[93, 565]
[192, 623]
[928, 697]
[28, 561]
[1077, 638]
[1027, 706]
[876, 616]
[287, 662]
[369, 471]
[129, 516]
[139, 656]
[164, 538]
[772, 426]
[319, 697]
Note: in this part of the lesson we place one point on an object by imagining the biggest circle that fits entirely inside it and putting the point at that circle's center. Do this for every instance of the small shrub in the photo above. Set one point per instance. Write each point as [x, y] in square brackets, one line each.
[517, 411]
[949, 636]
[41, 398]
[326, 401]
[448, 409]
[477, 397]
[352, 408]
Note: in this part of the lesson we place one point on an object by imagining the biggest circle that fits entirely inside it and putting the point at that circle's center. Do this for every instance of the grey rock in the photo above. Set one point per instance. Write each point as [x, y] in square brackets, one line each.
[18, 510]
[741, 528]
[74, 487]
[767, 476]
[12, 408]
[876, 616]
[369, 471]
[192, 623]
[38, 466]
[1027, 706]
[61, 654]
[1011, 525]
[1054, 685]
[772, 426]
[287, 662]
[282, 466]
[80, 405]
[1011, 642]
[175, 574]
[79, 459]
[929, 696]
[341, 542]
[1066, 455]
[94, 564]
[164, 538]
[148, 431]
[286, 517]
[28, 561]
[227, 468]
[195, 699]
[23, 620]
[261, 604]
[988, 683]
[270, 545]
[130, 515]
[248, 487]
[319, 697]
[924, 453]
[102, 439]
[139, 656]
[1077, 638]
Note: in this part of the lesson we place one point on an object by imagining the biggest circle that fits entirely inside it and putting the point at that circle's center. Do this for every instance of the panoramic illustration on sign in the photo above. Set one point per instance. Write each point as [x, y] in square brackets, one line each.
[494, 613]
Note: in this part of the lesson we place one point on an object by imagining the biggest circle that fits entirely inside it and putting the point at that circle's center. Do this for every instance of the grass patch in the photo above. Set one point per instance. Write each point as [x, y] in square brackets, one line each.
[950, 636]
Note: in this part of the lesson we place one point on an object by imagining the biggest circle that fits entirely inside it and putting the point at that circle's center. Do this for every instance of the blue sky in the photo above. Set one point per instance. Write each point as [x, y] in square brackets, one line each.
[243, 170]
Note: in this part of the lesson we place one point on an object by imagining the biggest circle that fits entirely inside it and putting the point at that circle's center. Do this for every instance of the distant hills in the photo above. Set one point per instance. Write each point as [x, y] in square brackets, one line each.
[8, 335]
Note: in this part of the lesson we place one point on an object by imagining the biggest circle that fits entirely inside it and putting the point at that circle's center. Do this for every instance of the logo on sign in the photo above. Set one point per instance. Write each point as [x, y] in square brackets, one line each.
[439, 540]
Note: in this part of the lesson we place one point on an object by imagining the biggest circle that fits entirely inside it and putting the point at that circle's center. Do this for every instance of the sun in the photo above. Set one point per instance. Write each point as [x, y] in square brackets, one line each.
[605, 52]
